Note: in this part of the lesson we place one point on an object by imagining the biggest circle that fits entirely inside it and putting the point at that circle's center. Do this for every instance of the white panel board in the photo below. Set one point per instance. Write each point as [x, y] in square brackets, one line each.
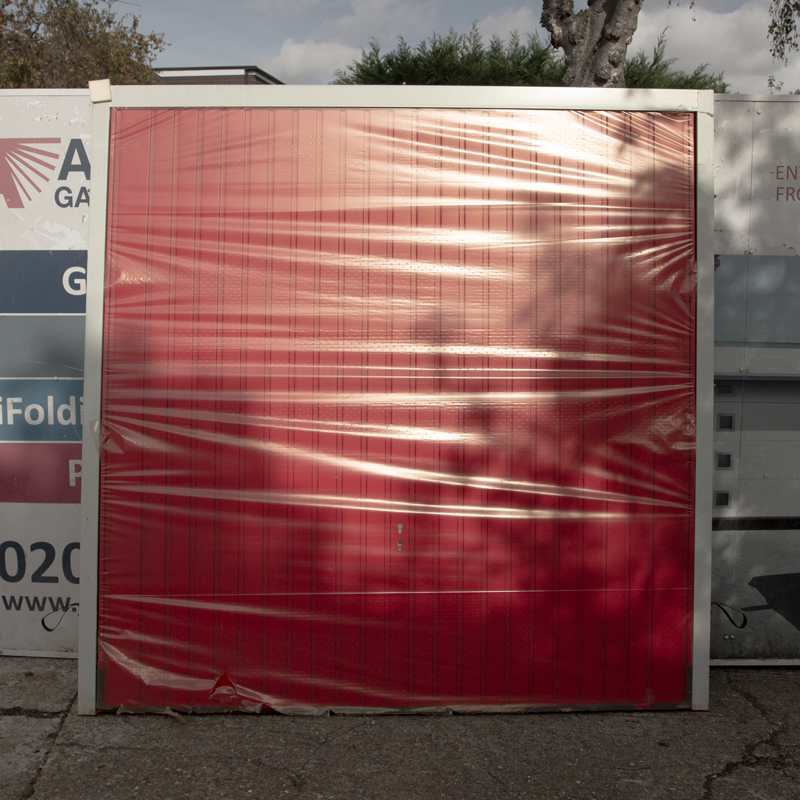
[755, 594]
[45, 142]
[45, 172]
[757, 180]
[39, 575]
[733, 155]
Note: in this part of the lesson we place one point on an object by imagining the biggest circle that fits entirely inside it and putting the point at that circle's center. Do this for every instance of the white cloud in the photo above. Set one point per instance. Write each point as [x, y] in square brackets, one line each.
[733, 42]
[351, 21]
[310, 62]
[382, 19]
[285, 9]
[522, 20]
[337, 31]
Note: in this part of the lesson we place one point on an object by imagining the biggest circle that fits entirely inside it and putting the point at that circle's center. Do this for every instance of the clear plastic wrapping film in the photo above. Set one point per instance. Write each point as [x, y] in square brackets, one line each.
[398, 410]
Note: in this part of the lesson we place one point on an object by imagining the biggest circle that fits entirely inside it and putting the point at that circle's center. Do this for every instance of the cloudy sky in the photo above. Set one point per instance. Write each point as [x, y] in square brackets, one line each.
[305, 41]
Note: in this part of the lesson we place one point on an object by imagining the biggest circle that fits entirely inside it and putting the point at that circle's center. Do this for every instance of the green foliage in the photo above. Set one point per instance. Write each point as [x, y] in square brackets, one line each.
[657, 73]
[460, 59]
[783, 28]
[66, 43]
[776, 87]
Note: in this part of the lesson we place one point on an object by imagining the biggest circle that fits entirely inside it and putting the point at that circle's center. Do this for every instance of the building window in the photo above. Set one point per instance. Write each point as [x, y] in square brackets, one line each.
[724, 461]
[725, 422]
[722, 499]
[724, 390]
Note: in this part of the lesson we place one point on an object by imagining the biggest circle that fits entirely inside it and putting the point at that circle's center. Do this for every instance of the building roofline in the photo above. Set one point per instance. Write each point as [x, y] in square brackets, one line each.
[222, 69]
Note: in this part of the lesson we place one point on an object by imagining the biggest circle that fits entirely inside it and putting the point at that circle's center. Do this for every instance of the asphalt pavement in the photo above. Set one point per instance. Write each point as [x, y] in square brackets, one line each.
[744, 748]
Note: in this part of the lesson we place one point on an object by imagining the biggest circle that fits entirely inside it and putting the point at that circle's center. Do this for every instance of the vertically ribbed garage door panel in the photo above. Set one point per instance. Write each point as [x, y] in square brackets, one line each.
[398, 409]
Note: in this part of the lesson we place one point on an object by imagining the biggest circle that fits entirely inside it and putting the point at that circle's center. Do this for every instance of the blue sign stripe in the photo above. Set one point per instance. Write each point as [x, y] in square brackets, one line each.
[41, 411]
[43, 282]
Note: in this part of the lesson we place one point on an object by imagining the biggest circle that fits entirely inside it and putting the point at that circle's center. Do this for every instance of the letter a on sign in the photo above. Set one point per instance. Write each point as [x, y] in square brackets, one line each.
[75, 148]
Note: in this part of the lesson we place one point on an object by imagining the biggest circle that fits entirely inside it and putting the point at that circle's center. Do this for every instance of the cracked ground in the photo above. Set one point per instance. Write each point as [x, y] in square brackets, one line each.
[746, 746]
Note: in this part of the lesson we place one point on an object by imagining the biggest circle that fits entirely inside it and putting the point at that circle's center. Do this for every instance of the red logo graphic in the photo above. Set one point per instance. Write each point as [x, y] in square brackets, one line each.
[21, 166]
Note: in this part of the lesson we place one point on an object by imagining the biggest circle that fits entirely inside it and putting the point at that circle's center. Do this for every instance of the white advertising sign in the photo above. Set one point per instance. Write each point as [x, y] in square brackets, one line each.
[44, 169]
[39, 578]
[45, 173]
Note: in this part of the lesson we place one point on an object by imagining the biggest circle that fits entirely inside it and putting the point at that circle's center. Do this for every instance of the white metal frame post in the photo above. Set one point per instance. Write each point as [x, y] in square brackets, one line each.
[704, 388]
[105, 97]
[93, 362]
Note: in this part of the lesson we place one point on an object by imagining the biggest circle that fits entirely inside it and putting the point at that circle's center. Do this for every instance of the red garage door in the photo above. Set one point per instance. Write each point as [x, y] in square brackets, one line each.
[398, 409]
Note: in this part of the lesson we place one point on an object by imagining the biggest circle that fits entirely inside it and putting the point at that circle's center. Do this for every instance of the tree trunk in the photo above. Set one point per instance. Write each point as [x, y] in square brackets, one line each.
[594, 40]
